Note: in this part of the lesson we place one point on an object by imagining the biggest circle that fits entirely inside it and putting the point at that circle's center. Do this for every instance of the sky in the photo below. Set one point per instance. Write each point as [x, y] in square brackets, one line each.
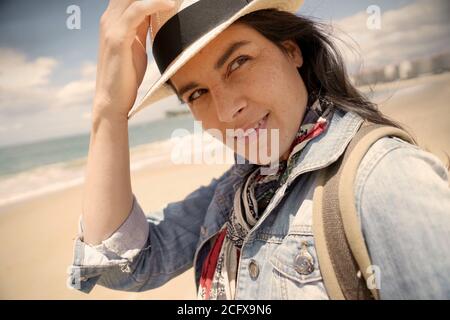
[47, 71]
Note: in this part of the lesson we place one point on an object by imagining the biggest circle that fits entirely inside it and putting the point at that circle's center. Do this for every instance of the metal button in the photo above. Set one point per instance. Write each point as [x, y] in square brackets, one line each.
[304, 261]
[253, 269]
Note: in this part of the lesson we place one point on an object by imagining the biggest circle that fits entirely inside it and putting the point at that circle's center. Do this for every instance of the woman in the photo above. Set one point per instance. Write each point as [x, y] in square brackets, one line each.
[249, 234]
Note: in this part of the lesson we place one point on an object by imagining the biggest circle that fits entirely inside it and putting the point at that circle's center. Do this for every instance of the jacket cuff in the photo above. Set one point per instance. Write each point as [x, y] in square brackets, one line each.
[119, 250]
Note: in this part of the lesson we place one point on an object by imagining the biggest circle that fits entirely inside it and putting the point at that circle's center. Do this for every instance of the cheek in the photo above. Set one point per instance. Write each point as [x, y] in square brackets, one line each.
[261, 82]
[287, 94]
[212, 124]
[279, 88]
[269, 83]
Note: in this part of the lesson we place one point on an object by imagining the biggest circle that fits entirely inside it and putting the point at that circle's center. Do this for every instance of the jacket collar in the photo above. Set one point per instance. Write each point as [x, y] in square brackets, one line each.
[323, 150]
[328, 147]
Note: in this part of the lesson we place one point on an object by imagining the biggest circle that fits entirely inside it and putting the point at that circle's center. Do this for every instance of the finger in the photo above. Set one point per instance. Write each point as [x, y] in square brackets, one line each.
[136, 13]
[115, 10]
[119, 6]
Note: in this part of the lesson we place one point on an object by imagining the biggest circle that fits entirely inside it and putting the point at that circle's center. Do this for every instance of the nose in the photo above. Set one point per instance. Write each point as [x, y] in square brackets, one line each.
[229, 103]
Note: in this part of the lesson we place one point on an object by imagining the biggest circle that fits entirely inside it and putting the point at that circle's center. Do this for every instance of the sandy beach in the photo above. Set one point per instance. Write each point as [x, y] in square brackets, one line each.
[422, 106]
[37, 235]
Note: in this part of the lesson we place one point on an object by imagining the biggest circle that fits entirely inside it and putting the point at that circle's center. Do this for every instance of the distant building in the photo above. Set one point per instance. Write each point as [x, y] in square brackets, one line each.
[423, 66]
[391, 72]
[176, 113]
[369, 77]
[406, 70]
[441, 63]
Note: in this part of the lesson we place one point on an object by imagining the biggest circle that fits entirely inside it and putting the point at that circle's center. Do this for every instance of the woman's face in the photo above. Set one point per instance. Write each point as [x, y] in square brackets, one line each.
[241, 80]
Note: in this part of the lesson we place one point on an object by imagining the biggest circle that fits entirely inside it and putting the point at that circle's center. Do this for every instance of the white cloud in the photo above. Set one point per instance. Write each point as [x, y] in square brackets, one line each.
[20, 74]
[410, 32]
[88, 70]
[25, 85]
[11, 127]
[34, 107]
[77, 93]
[16, 126]
[86, 115]
[26, 88]
[23, 82]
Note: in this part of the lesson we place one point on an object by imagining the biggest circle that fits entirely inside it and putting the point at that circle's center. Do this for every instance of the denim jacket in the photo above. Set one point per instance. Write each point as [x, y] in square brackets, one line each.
[402, 198]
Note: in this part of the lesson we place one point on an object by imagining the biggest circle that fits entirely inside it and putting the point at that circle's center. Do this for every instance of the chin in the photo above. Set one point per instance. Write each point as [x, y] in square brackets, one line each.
[265, 151]
[263, 157]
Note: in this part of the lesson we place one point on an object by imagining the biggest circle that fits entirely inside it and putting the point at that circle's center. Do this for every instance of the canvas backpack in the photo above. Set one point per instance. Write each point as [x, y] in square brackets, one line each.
[341, 250]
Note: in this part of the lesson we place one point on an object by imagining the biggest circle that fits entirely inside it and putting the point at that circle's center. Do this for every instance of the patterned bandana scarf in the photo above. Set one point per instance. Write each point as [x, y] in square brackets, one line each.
[219, 271]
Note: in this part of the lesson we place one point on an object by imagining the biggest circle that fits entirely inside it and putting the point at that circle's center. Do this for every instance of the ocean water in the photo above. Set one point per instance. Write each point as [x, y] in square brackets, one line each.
[32, 169]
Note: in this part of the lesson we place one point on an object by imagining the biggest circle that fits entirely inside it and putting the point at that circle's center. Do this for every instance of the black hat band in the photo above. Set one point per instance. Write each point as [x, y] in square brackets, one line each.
[189, 25]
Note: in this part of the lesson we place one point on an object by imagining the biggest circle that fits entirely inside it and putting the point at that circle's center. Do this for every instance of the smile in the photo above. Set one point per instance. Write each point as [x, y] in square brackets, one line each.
[250, 132]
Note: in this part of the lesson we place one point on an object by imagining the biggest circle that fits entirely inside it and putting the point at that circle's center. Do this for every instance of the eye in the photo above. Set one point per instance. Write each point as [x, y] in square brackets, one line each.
[238, 62]
[196, 94]
[233, 66]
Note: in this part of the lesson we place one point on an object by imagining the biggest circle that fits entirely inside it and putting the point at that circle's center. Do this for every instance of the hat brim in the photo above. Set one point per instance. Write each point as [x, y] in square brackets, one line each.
[160, 90]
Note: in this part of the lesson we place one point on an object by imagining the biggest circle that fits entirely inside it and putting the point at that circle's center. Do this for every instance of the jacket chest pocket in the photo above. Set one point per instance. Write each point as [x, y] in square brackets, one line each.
[296, 273]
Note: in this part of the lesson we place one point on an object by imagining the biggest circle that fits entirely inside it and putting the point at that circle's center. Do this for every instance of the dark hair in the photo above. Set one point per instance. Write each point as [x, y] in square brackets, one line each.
[323, 70]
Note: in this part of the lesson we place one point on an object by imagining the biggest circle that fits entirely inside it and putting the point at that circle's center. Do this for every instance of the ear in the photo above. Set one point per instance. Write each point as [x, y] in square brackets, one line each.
[294, 52]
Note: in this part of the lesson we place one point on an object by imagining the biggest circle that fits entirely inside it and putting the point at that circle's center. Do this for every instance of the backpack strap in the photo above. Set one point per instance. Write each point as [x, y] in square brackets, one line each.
[343, 257]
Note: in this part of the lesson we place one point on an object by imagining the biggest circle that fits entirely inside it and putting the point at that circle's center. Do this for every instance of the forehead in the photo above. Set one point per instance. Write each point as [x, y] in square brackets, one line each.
[208, 54]
[235, 32]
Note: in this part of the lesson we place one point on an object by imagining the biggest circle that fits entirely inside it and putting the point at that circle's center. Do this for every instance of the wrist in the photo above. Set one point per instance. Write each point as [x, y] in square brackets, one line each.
[108, 117]
[107, 112]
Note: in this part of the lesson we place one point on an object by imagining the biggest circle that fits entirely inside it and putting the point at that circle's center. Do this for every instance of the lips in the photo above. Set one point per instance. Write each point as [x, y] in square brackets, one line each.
[250, 131]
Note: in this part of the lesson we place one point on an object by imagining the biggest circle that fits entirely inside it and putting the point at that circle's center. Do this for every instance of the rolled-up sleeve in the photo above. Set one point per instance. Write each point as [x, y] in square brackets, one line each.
[147, 250]
[116, 252]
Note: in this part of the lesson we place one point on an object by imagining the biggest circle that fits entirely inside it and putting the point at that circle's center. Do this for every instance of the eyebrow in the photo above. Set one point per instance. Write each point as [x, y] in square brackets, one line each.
[220, 62]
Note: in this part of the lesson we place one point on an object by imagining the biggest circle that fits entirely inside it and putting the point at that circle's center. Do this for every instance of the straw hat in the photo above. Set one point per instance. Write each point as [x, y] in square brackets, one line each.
[178, 34]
